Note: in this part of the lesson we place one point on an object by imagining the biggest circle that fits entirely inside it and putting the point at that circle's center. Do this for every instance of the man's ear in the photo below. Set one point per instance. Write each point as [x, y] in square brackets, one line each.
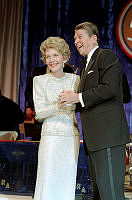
[94, 37]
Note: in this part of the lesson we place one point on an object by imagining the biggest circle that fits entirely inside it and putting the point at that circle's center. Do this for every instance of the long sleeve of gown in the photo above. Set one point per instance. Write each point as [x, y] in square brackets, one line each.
[42, 108]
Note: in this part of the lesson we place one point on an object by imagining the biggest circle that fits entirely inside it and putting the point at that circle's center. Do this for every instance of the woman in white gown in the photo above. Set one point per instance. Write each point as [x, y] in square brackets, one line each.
[60, 139]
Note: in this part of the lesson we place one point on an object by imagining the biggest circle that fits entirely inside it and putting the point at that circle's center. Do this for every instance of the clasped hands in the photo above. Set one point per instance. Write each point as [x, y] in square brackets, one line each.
[68, 96]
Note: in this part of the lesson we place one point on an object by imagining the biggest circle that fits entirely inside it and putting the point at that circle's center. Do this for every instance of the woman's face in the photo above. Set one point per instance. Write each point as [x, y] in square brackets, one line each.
[54, 60]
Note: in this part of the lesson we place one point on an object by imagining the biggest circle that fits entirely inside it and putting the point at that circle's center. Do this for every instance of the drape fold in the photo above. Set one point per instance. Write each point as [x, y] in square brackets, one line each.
[10, 46]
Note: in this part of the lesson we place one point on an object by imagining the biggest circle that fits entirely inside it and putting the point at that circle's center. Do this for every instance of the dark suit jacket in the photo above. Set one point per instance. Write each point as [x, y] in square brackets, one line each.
[10, 115]
[125, 89]
[103, 118]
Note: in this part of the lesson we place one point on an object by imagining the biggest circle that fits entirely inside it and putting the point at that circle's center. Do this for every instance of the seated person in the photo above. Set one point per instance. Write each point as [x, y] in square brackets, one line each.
[10, 117]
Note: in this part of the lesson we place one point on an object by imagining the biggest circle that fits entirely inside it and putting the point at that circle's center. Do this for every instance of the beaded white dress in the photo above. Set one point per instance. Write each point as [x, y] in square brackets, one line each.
[60, 138]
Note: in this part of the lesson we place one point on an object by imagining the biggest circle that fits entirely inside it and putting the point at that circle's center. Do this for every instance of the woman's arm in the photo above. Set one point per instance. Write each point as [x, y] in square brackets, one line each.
[42, 108]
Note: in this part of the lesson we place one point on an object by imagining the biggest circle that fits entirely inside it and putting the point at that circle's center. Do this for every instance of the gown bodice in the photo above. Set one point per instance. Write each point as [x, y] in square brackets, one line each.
[56, 121]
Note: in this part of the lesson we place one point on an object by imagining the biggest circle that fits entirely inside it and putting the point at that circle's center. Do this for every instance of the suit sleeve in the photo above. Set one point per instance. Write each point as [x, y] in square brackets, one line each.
[109, 80]
[126, 90]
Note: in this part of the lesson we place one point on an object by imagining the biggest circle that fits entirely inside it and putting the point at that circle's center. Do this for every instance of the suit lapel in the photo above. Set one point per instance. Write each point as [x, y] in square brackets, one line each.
[85, 72]
[91, 62]
[83, 61]
[82, 72]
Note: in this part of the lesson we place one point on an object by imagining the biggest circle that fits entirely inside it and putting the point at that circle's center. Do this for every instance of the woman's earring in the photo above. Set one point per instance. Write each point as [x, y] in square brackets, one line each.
[63, 64]
[48, 70]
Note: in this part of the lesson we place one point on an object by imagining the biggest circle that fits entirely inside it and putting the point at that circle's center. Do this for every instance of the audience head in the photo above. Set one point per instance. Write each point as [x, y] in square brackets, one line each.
[29, 113]
[39, 71]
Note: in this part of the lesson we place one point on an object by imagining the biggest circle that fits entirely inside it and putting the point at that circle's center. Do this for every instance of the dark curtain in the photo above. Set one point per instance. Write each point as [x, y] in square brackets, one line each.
[43, 18]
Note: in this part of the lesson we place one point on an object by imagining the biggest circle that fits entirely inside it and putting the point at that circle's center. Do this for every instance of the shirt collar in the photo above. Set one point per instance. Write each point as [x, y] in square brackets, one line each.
[91, 52]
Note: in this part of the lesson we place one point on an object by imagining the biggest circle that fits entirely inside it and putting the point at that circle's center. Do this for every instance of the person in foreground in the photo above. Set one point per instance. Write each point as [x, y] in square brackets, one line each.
[104, 124]
[10, 118]
[60, 138]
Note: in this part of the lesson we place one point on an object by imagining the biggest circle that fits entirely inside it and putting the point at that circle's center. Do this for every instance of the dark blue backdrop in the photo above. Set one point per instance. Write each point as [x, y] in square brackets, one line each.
[43, 18]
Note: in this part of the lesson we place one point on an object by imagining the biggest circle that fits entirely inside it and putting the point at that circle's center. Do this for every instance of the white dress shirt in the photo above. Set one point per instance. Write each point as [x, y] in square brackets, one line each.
[88, 59]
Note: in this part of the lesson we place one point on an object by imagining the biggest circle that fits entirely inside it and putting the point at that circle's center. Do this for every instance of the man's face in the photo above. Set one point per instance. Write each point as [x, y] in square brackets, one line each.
[83, 42]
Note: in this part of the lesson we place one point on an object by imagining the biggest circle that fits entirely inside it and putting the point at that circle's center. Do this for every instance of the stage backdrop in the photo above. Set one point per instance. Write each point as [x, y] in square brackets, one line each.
[43, 18]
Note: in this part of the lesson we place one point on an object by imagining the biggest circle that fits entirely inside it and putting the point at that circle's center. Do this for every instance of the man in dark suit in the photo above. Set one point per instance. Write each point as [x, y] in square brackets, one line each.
[104, 124]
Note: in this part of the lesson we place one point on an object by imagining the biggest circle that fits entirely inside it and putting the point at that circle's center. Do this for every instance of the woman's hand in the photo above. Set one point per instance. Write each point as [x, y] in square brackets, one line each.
[68, 96]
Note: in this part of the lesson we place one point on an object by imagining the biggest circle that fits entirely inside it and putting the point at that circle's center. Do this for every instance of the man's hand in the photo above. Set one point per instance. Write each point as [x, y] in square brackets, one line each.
[68, 96]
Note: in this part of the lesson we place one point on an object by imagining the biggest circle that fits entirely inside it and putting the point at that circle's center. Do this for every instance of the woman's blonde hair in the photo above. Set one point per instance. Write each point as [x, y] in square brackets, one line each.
[56, 43]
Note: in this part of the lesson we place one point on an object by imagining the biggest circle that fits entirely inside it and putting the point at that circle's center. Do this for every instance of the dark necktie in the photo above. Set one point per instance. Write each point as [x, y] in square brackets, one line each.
[84, 62]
